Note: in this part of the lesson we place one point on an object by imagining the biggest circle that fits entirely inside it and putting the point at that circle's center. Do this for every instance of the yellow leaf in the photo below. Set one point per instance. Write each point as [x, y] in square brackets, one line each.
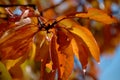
[75, 48]
[34, 20]
[87, 38]
[66, 23]
[11, 63]
[33, 51]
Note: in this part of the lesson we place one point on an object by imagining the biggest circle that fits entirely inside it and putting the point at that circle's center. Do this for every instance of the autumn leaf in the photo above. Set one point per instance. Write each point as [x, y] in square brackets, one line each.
[85, 35]
[97, 15]
[43, 56]
[18, 42]
[63, 38]
[17, 69]
[62, 57]
[80, 49]
[69, 62]
[88, 39]
[14, 66]
[4, 73]
[42, 49]
[3, 27]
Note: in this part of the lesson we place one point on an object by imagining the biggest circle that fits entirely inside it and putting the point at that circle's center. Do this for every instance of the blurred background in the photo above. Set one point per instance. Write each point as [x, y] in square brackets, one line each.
[107, 36]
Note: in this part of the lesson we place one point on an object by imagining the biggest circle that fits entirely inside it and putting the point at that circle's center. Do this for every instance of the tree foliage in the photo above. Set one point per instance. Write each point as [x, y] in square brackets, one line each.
[48, 42]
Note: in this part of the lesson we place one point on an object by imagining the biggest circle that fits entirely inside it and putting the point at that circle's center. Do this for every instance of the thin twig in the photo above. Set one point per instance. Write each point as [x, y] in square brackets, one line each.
[30, 5]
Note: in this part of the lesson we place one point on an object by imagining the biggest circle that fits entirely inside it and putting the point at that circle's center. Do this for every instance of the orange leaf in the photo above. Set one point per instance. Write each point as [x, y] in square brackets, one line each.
[43, 56]
[98, 15]
[87, 38]
[69, 62]
[42, 49]
[53, 52]
[63, 58]
[17, 43]
[80, 50]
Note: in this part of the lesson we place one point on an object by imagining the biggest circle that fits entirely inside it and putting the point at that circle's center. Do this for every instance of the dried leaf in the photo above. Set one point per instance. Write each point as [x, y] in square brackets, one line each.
[63, 38]
[53, 52]
[63, 59]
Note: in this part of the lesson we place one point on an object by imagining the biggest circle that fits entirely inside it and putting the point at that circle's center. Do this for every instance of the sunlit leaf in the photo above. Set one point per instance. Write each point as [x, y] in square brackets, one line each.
[66, 23]
[88, 39]
[85, 36]
[98, 15]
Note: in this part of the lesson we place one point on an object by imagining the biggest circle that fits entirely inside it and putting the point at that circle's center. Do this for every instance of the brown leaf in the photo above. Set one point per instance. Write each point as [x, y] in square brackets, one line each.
[53, 52]
[63, 58]
[63, 38]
